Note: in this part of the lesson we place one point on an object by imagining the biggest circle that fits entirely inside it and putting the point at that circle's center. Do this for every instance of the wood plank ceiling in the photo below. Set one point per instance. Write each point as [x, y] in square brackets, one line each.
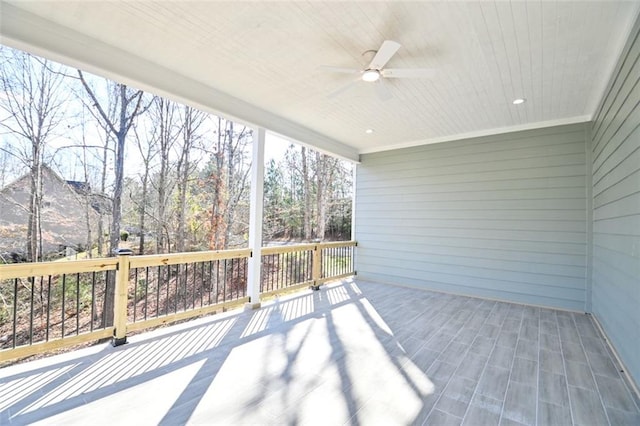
[557, 55]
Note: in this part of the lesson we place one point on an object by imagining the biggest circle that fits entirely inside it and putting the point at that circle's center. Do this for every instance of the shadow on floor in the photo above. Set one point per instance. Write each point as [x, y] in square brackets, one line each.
[59, 387]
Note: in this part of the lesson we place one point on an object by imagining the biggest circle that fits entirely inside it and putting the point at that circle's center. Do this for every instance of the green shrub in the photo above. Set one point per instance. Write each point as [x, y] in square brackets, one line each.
[141, 289]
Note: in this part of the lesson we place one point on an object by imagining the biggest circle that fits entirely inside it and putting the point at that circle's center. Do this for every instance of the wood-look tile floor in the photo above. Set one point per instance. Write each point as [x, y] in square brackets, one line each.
[352, 353]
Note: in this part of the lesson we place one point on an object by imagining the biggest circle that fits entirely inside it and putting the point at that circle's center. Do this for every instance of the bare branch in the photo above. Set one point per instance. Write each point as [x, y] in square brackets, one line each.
[96, 104]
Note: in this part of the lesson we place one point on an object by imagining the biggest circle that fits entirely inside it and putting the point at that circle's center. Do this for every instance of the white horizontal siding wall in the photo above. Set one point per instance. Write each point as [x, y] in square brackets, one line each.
[616, 208]
[501, 216]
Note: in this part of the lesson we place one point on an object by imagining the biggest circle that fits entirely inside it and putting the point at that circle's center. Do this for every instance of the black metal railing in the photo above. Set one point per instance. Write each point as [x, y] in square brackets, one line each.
[164, 290]
[337, 261]
[286, 266]
[47, 305]
[52, 306]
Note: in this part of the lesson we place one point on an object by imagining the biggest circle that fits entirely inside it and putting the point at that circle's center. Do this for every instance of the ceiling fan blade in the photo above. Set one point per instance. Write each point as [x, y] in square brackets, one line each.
[386, 51]
[382, 90]
[342, 89]
[408, 73]
[339, 69]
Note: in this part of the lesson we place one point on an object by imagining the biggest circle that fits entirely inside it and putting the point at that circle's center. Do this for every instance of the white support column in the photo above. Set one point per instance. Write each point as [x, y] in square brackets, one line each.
[354, 177]
[256, 207]
[353, 214]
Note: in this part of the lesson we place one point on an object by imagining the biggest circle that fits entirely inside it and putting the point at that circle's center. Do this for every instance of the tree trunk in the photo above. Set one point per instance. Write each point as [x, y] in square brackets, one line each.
[183, 177]
[114, 237]
[162, 179]
[114, 233]
[180, 216]
[118, 128]
[103, 189]
[87, 202]
[229, 206]
[39, 246]
[306, 213]
[33, 225]
[143, 211]
[321, 200]
[219, 195]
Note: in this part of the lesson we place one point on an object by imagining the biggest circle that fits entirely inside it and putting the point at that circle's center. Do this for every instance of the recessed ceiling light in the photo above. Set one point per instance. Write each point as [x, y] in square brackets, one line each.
[371, 75]
[369, 131]
[519, 101]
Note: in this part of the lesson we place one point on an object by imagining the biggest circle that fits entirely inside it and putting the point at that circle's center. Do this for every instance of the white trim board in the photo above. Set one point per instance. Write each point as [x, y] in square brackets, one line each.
[481, 133]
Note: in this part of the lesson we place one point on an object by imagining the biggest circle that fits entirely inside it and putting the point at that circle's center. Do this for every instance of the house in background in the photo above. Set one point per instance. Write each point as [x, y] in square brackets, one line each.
[67, 207]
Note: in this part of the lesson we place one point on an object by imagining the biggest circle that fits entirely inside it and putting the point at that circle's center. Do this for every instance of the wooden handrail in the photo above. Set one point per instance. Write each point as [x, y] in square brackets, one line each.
[191, 257]
[123, 264]
[332, 244]
[287, 249]
[22, 270]
[303, 247]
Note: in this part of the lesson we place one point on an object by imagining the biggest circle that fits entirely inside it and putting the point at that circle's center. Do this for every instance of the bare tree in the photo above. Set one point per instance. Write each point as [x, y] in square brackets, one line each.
[105, 151]
[306, 179]
[230, 175]
[31, 109]
[87, 198]
[326, 173]
[192, 120]
[164, 116]
[238, 170]
[147, 154]
[308, 195]
[219, 192]
[321, 194]
[129, 106]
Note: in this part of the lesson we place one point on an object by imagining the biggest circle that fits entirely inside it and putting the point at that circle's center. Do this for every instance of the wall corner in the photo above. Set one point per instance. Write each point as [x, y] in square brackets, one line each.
[589, 216]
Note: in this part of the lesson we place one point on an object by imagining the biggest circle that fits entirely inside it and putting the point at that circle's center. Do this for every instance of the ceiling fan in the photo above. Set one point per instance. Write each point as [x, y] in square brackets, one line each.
[376, 72]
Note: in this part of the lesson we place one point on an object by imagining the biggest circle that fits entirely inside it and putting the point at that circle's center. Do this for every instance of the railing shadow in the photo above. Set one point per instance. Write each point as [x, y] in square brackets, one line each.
[38, 394]
[415, 380]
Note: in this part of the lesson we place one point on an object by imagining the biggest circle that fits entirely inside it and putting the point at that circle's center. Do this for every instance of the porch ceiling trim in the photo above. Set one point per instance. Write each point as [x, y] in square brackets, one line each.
[481, 133]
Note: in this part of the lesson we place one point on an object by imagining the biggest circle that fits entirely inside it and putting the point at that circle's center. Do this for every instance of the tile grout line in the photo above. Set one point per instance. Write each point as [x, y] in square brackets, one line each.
[539, 368]
[438, 312]
[604, 407]
[504, 399]
[425, 341]
[564, 367]
[457, 368]
[452, 374]
[495, 343]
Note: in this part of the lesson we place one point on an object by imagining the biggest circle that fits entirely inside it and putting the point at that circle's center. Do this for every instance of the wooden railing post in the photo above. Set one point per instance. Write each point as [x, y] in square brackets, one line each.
[120, 303]
[316, 267]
